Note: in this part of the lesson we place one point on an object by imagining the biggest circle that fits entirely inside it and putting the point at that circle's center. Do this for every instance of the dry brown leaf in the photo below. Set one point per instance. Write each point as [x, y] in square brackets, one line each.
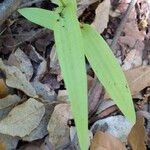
[105, 141]
[137, 136]
[102, 16]
[9, 101]
[3, 89]
[58, 129]
[16, 79]
[21, 61]
[23, 118]
[138, 78]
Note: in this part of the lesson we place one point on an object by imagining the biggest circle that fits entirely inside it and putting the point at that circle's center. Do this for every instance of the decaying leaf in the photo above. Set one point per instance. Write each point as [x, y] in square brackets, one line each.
[23, 118]
[138, 78]
[137, 136]
[16, 79]
[3, 89]
[132, 60]
[41, 130]
[44, 92]
[57, 127]
[117, 126]
[9, 101]
[21, 61]
[102, 16]
[105, 141]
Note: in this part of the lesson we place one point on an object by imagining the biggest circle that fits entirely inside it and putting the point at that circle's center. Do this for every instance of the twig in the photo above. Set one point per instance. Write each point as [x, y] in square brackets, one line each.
[123, 22]
[7, 7]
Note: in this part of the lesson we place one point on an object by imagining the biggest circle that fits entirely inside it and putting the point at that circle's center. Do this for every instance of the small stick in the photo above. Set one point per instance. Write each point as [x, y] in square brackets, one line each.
[7, 7]
[123, 22]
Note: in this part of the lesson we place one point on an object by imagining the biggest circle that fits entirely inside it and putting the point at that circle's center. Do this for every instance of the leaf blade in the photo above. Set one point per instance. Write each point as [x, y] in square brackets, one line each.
[108, 70]
[42, 17]
[69, 49]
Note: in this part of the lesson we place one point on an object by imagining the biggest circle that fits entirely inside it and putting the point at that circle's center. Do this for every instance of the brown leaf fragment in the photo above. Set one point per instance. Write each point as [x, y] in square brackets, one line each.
[102, 16]
[23, 118]
[22, 62]
[137, 136]
[105, 141]
[58, 129]
[3, 89]
[138, 78]
[16, 79]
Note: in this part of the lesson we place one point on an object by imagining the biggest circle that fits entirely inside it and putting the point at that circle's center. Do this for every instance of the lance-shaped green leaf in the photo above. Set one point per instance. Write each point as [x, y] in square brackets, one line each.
[108, 70]
[42, 17]
[69, 47]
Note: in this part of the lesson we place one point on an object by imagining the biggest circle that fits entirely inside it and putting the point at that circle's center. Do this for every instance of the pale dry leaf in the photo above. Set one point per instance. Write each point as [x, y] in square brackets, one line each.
[57, 127]
[21, 61]
[105, 141]
[137, 136]
[23, 118]
[118, 126]
[41, 130]
[133, 59]
[102, 16]
[16, 79]
[44, 92]
[138, 78]
[9, 101]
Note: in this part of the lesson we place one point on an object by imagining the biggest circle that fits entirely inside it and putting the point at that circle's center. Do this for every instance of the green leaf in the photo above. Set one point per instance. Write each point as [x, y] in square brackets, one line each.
[108, 70]
[69, 47]
[45, 18]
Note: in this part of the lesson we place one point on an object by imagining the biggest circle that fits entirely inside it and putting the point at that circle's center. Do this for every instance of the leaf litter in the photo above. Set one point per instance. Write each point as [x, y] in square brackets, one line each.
[28, 72]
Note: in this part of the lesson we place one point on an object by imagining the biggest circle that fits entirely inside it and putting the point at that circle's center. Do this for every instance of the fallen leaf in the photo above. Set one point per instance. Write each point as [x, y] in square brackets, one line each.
[137, 136]
[57, 127]
[44, 92]
[16, 79]
[118, 126]
[102, 16]
[4, 91]
[9, 101]
[41, 130]
[105, 141]
[138, 78]
[22, 62]
[23, 118]
[62, 95]
[132, 60]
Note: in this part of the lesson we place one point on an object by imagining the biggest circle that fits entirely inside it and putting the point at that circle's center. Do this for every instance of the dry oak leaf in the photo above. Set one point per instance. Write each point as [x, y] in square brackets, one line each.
[105, 141]
[102, 16]
[137, 136]
[58, 129]
[23, 118]
[4, 91]
[21, 61]
[16, 79]
[9, 101]
[138, 78]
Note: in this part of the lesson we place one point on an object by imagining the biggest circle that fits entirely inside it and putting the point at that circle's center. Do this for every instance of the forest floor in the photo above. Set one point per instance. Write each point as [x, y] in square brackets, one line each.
[29, 67]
